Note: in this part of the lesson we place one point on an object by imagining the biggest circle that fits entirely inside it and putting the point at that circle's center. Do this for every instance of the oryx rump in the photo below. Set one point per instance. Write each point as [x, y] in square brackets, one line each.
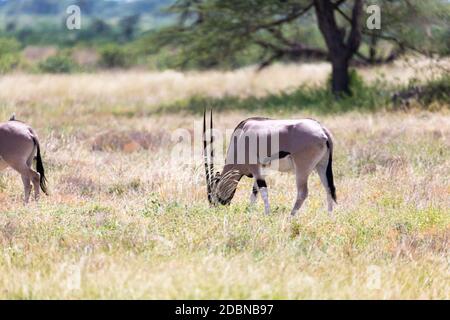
[257, 144]
[19, 145]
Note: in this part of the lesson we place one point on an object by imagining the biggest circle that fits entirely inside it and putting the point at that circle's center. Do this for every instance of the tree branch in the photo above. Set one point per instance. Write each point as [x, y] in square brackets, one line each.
[401, 44]
[354, 39]
[290, 17]
[270, 60]
[295, 51]
[328, 25]
[370, 61]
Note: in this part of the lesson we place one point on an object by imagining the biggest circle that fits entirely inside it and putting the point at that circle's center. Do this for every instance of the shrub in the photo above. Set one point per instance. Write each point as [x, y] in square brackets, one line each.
[113, 56]
[60, 63]
[437, 90]
[433, 94]
[9, 54]
[9, 46]
[9, 62]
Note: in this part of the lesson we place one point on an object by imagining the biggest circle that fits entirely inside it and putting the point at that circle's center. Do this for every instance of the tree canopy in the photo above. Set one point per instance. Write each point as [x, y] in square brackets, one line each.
[220, 33]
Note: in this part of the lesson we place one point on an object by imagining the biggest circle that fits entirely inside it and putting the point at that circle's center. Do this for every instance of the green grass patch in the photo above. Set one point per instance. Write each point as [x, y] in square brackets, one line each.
[319, 100]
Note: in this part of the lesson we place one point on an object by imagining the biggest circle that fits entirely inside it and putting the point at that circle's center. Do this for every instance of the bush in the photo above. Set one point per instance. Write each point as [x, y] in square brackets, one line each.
[59, 63]
[9, 54]
[437, 90]
[113, 56]
[9, 62]
[432, 95]
[8, 46]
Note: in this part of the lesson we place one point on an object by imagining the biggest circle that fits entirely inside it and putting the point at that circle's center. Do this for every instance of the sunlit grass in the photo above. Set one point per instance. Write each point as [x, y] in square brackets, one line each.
[123, 222]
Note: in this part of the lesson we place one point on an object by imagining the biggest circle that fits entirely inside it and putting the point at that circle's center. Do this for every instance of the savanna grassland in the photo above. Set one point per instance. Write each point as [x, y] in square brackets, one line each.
[123, 222]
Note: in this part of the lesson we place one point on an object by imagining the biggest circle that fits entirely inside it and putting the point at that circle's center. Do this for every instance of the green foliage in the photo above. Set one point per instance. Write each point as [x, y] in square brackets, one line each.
[422, 25]
[60, 63]
[9, 54]
[9, 45]
[102, 20]
[437, 90]
[215, 34]
[314, 99]
[113, 56]
[9, 62]
[128, 26]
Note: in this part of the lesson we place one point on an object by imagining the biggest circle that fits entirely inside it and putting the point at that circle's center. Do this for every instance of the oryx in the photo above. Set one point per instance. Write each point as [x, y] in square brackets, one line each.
[260, 143]
[19, 145]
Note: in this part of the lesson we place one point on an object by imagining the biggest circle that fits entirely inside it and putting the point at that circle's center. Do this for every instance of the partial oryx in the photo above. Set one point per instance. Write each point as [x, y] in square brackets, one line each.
[19, 145]
[257, 144]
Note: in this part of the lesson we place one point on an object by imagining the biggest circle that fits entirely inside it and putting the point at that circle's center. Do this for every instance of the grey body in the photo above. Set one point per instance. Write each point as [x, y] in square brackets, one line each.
[19, 145]
[303, 146]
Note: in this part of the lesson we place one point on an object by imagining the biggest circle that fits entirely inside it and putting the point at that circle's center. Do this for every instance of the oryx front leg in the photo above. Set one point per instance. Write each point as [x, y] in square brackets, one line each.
[254, 195]
[262, 186]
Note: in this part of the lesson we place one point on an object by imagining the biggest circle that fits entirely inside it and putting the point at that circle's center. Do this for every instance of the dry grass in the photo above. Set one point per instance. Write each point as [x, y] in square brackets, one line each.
[122, 222]
[111, 90]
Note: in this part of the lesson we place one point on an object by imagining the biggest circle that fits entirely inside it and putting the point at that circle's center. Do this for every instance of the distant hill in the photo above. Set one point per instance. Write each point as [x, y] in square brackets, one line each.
[103, 9]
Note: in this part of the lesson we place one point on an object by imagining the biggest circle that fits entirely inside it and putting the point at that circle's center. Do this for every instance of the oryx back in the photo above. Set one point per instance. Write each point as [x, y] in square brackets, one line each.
[16, 142]
[274, 143]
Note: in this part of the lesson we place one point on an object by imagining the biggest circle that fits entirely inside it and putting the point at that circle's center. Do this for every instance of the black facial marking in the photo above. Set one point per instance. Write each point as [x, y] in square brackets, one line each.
[261, 183]
[255, 190]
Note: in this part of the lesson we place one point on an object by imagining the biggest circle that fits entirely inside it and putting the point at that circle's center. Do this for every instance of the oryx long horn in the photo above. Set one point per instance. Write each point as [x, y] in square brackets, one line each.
[211, 164]
[205, 157]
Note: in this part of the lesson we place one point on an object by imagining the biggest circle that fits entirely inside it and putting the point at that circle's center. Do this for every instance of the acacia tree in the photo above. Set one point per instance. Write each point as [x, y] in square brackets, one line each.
[212, 31]
[340, 50]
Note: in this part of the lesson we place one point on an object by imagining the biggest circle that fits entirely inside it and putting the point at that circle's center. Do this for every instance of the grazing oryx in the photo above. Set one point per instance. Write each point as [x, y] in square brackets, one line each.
[289, 145]
[18, 147]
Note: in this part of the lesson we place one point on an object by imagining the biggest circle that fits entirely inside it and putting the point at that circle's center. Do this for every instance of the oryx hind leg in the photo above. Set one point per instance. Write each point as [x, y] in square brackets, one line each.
[302, 193]
[28, 176]
[304, 164]
[26, 187]
[302, 171]
[34, 176]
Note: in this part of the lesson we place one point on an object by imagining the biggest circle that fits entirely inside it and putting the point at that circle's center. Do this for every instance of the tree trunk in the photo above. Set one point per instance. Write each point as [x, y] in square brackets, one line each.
[340, 79]
[340, 50]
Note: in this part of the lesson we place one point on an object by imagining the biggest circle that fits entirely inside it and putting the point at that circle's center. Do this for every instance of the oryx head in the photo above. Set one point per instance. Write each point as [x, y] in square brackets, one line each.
[220, 186]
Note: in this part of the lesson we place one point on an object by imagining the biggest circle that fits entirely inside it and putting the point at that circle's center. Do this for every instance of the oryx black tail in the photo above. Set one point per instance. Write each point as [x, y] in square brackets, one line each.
[40, 167]
[329, 173]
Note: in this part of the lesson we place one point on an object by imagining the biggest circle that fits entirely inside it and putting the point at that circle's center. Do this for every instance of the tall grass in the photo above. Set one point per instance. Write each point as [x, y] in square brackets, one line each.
[123, 221]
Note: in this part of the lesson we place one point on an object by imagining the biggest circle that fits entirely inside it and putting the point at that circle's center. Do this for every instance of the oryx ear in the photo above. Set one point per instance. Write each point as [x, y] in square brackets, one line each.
[13, 117]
